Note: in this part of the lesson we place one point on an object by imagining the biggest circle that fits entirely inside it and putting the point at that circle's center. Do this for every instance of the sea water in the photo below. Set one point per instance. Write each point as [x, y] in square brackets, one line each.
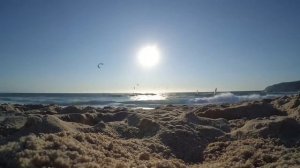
[135, 100]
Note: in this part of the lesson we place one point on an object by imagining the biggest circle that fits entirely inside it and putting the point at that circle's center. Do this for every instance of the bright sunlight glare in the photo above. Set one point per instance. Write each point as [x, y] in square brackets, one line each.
[148, 56]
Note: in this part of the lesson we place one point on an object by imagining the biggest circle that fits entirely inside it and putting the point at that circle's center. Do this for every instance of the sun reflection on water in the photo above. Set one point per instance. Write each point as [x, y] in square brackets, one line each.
[147, 97]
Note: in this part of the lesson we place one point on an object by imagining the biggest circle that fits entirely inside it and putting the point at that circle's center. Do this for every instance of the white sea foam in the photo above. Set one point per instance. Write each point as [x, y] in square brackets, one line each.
[230, 98]
[138, 100]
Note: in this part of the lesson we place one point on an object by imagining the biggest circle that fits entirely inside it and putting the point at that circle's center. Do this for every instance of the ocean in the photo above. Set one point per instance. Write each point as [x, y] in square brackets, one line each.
[135, 100]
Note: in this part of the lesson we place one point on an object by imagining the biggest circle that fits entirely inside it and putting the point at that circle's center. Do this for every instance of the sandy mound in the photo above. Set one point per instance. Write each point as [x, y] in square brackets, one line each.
[8, 108]
[47, 124]
[291, 105]
[88, 118]
[189, 145]
[15, 127]
[190, 117]
[118, 116]
[30, 108]
[245, 110]
[11, 125]
[71, 109]
[52, 109]
[147, 127]
[250, 153]
[68, 149]
[284, 128]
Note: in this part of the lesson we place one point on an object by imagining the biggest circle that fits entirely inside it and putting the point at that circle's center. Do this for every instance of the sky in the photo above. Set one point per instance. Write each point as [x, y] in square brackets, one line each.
[55, 46]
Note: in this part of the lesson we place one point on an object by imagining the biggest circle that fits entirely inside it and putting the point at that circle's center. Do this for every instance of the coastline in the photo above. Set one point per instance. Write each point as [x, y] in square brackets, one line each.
[246, 134]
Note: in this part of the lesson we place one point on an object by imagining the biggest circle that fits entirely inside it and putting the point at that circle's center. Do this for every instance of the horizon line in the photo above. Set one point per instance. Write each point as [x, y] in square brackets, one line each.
[129, 92]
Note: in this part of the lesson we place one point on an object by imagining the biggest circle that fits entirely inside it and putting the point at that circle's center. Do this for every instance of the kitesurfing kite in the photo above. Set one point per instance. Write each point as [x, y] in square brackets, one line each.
[100, 65]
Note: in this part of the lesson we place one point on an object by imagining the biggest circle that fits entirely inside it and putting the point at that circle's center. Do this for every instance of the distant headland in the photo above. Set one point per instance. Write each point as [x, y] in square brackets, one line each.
[284, 87]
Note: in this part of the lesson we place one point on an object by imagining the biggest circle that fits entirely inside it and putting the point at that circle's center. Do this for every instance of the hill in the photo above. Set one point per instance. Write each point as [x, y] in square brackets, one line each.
[284, 87]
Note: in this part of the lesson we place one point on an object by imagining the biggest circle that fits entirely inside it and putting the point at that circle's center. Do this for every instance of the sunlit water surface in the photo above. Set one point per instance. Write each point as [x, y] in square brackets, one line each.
[145, 101]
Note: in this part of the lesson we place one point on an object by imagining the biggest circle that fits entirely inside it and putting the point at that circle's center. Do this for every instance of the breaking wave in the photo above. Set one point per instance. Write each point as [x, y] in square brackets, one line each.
[136, 100]
[230, 98]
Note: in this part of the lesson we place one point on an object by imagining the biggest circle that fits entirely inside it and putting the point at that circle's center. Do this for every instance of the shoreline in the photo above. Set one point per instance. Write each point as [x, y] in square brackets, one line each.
[248, 134]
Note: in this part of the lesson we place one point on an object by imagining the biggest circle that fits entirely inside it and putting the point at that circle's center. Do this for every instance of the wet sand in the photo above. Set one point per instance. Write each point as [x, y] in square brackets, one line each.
[249, 134]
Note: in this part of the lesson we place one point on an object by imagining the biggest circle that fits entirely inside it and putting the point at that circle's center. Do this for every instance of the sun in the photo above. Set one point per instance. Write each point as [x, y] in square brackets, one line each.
[149, 56]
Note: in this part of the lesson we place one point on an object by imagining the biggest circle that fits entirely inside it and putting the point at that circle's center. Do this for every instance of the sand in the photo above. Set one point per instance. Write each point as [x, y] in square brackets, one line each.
[249, 134]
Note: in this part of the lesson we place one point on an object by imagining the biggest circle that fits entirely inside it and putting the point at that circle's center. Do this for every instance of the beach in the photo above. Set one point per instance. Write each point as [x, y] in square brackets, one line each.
[258, 133]
[149, 84]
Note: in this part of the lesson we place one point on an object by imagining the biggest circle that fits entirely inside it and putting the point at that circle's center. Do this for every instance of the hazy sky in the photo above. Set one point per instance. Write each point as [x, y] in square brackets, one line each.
[55, 45]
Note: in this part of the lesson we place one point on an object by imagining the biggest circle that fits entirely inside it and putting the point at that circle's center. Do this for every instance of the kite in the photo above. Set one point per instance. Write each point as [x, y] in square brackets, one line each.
[100, 65]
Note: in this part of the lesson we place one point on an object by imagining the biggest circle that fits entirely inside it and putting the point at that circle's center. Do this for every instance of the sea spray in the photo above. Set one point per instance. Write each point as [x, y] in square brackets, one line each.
[229, 98]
